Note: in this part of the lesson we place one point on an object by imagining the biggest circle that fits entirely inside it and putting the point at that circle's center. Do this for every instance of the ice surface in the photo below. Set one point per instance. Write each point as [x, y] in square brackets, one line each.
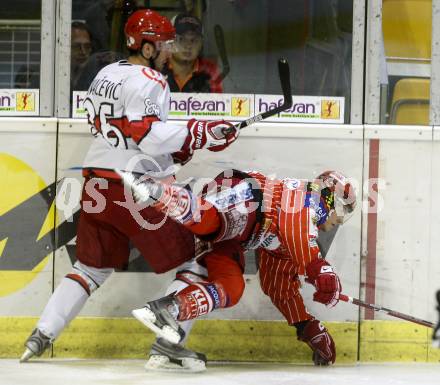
[132, 372]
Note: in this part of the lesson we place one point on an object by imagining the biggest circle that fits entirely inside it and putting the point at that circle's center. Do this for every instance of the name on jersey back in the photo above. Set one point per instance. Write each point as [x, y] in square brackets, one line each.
[105, 88]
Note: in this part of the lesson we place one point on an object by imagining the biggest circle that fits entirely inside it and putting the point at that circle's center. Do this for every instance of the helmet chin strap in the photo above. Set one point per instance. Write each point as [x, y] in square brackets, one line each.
[150, 60]
[152, 63]
[153, 60]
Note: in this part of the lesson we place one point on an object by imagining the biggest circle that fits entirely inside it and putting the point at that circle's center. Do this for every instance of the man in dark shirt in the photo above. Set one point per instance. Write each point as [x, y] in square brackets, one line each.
[186, 70]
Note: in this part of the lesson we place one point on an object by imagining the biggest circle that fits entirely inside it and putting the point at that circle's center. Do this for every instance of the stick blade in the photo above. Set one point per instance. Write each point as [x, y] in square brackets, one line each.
[284, 73]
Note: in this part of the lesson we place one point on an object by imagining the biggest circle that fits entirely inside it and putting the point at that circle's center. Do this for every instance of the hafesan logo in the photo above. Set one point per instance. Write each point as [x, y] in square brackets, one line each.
[24, 246]
[330, 109]
[240, 106]
[25, 101]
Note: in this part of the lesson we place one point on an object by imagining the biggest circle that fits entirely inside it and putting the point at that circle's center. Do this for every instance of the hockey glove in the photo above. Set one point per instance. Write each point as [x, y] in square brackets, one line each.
[182, 157]
[213, 135]
[320, 341]
[327, 284]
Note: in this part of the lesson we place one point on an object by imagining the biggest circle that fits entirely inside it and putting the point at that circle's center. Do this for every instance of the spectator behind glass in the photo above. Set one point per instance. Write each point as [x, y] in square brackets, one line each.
[28, 76]
[93, 65]
[187, 71]
[97, 15]
[81, 48]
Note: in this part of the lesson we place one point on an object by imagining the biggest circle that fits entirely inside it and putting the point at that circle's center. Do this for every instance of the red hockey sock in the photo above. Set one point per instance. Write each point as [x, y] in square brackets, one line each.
[199, 299]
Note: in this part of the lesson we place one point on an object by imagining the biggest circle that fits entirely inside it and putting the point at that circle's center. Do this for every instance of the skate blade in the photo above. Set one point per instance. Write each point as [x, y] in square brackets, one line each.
[148, 318]
[159, 363]
[26, 355]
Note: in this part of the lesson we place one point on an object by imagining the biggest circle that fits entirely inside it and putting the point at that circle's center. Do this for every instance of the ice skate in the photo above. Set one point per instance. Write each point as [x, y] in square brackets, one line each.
[160, 316]
[36, 345]
[167, 357]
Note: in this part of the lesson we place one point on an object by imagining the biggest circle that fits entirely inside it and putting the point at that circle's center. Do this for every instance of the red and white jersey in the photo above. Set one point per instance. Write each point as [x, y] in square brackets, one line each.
[127, 107]
[289, 229]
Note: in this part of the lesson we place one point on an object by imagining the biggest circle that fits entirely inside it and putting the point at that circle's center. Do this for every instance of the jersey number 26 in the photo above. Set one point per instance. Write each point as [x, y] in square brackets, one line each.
[100, 125]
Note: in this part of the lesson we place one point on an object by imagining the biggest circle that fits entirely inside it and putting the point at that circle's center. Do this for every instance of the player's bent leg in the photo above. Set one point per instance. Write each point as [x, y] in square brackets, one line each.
[187, 273]
[176, 287]
[160, 316]
[225, 288]
[64, 305]
[165, 356]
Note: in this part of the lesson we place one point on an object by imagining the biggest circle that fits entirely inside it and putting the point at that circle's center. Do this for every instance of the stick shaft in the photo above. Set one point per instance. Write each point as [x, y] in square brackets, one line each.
[381, 309]
[221, 46]
[284, 73]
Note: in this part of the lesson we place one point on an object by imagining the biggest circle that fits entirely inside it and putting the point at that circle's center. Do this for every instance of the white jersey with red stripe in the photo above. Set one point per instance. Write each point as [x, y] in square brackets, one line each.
[127, 107]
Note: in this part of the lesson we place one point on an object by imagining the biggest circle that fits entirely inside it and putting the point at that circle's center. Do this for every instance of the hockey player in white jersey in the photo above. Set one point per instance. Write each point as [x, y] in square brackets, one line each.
[127, 105]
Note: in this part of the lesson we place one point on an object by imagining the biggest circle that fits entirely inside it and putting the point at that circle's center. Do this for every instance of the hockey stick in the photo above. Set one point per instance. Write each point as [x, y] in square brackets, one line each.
[284, 73]
[220, 40]
[390, 312]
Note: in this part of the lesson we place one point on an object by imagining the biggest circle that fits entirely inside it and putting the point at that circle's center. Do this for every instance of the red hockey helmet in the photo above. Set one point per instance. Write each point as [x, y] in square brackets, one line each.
[145, 24]
[338, 192]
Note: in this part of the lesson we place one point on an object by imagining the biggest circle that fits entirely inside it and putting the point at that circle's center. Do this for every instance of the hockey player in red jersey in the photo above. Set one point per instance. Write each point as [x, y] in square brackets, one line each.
[242, 211]
[127, 105]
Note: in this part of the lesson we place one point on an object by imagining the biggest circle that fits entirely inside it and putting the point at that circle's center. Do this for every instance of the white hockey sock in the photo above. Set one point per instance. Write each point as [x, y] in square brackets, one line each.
[64, 305]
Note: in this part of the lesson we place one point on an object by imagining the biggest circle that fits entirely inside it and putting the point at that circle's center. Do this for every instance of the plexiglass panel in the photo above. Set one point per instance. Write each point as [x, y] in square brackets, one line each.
[405, 82]
[20, 44]
[232, 47]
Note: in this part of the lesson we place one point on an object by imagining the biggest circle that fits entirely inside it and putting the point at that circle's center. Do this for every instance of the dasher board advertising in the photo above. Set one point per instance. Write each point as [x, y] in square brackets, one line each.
[184, 106]
[211, 106]
[19, 102]
[304, 109]
[237, 107]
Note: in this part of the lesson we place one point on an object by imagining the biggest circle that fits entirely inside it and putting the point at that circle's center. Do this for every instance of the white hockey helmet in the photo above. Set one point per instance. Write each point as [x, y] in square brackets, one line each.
[338, 193]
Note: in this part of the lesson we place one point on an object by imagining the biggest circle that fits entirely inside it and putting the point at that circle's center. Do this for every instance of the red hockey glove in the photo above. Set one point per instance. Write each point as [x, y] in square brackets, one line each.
[320, 341]
[328, 286]
[213, 135]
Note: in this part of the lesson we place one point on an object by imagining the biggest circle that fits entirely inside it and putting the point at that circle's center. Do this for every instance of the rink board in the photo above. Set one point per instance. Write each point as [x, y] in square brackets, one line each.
[229, 340]
[405, 254]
